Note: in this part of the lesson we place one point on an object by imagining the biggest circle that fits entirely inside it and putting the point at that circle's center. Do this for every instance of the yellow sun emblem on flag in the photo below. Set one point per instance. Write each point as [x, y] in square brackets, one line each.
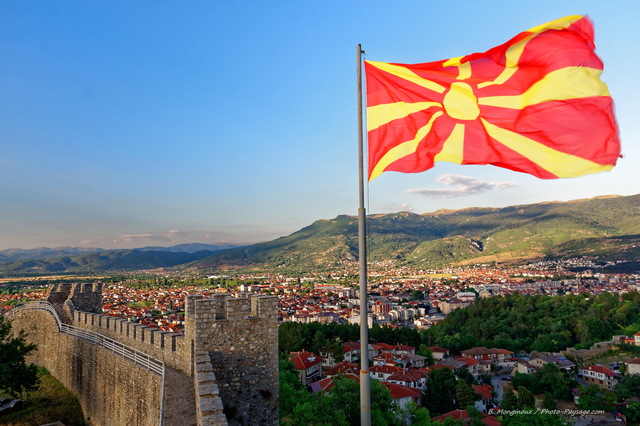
[515, 106]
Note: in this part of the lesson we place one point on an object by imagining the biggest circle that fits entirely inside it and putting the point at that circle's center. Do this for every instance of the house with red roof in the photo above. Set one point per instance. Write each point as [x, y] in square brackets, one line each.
[384, 358]
[487, 357]
[402, 395]
[342, 368]
[474, 367]
[486, 398]
[309, 366]
[438, 352]
[383, 372]
[385, 347]
[407, 378]
[322, 385]
[328, 383]
[351, 351]
[403, 349]
[463, 416]
[599, 375]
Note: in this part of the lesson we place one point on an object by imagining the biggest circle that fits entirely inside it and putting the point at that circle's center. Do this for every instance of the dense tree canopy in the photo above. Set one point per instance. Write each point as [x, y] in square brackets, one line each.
[515, 322]
[594, 398]
[543, 323]
[339, 406]
[440, 396]
[536, 419]
[16, 376]
[548, 379]
[295, 336]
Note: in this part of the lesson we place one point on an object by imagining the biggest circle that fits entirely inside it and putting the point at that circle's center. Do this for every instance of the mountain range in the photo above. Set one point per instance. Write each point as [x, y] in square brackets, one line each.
[603, 228]
[44, 260]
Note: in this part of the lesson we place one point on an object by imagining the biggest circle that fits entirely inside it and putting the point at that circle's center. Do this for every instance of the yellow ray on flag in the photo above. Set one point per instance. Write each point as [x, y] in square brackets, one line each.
[535, 104]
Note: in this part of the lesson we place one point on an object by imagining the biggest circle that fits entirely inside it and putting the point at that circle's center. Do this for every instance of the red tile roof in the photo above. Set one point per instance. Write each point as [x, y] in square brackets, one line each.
[400, 391]
[483, 391]
[405, 348]
[600, 369]
[462, 415]
[404, 376]
[386, 369]
[342, 368]
[304, 360]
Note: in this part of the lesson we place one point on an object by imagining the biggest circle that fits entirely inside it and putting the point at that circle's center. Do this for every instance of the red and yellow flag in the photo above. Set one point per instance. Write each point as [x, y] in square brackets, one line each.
[534, 105]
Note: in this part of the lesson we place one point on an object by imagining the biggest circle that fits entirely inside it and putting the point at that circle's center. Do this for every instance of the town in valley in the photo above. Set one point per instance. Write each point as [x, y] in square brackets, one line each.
[404, 298]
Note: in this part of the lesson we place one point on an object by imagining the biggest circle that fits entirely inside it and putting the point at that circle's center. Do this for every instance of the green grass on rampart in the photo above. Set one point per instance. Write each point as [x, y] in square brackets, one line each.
[50, 403]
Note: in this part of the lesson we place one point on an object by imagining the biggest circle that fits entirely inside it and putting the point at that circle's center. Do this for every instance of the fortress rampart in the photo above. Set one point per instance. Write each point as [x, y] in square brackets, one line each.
[228, 351]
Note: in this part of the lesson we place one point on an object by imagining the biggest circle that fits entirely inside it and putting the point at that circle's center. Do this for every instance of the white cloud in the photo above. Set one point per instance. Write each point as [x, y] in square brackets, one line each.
[174, 237]
[141, 238]
[394, 207]
[461, 186]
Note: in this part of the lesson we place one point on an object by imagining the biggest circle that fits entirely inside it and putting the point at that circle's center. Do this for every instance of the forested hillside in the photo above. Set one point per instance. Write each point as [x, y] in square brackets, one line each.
[604, 228]
[515, 322]
[542, 323]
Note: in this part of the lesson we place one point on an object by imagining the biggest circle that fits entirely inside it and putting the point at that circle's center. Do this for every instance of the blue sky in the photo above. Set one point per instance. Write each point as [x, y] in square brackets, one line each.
[125, 124]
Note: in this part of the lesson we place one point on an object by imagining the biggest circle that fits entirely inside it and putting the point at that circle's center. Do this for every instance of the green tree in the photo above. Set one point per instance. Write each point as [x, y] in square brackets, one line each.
[548, 402]
[423, 350]
[334, 347]
[439, 396]
[317, 410]
[464, 374]
[485, 378]
[632, 411]
[594, 398]
[291, 391]
[341, 406]
[345, 396]
[509, 400]
[464, 394]
[449, 421]
[475, 415]
[413, 415]
[533, 419]
[16, 376]
[629, 387]
[551, 379]
[525, 398]
[382, 405]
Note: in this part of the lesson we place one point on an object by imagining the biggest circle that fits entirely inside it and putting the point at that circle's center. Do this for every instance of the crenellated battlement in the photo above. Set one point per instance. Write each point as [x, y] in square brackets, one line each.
[66, 289]
[224, 307]
[239, 334]
[125, 330]
[70, 297]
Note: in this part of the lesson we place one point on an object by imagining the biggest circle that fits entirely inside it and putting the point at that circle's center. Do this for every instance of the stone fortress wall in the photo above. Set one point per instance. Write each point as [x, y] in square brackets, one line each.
[228, 354]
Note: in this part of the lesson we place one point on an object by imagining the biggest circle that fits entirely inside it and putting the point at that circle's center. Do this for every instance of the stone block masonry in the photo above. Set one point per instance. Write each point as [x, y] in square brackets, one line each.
[209, 406]
[241, 336]
[111, 390]
[229, 348]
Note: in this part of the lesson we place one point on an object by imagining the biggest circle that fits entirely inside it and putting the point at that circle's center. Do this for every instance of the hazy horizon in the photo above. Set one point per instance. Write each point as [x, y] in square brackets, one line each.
[256, 242]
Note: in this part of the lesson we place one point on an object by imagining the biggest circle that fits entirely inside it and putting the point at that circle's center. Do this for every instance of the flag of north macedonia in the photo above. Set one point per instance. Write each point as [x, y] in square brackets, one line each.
[535, 105]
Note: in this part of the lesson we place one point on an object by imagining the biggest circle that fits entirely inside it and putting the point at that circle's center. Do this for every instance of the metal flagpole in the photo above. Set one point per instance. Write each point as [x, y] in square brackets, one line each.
[365, 380]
